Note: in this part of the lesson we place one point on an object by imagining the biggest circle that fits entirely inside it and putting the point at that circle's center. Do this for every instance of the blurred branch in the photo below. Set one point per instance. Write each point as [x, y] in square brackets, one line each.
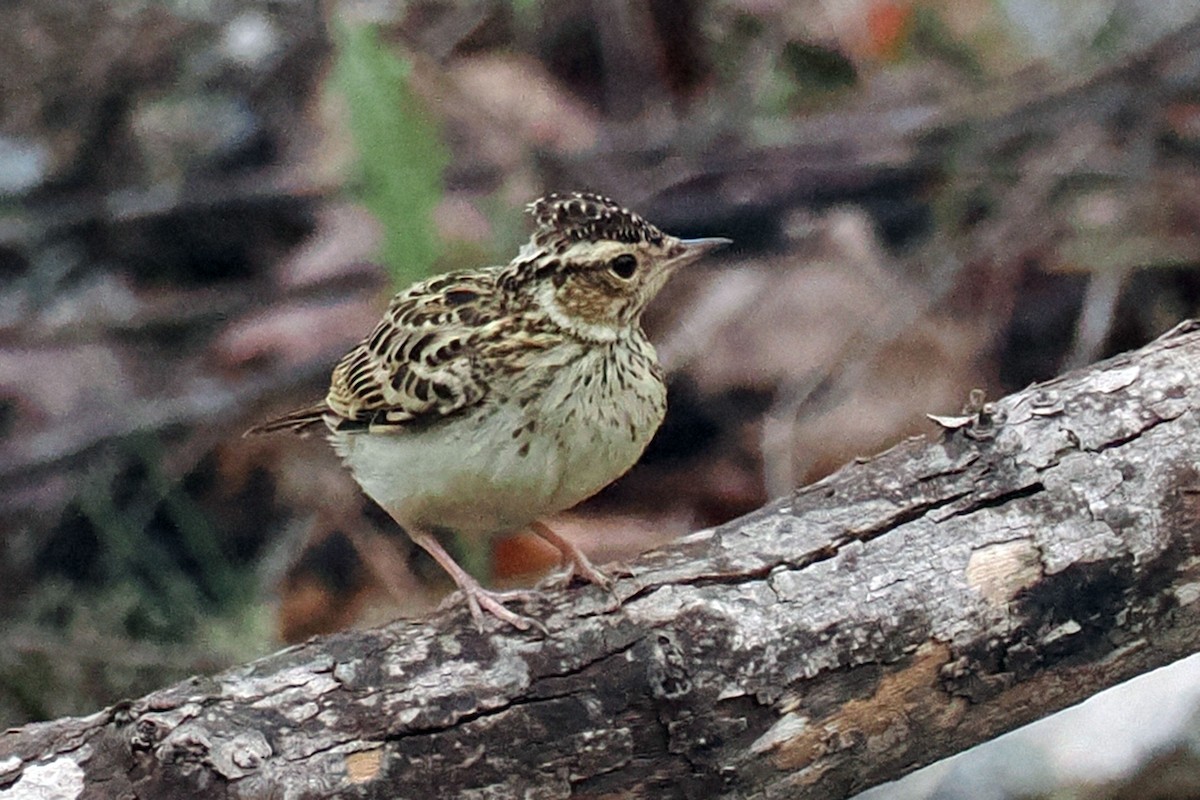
[849, 154]
[1097, 315]
[266, 186]
[905, 608]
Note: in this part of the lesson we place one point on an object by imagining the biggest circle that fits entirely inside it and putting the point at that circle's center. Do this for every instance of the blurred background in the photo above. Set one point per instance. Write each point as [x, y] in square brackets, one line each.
[204, 203]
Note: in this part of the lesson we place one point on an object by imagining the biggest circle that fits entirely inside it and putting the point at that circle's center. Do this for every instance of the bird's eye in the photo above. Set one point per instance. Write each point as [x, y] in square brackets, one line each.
[623, 266]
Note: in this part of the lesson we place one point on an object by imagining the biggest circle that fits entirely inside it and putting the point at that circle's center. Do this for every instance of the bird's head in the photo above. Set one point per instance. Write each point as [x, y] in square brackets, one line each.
[594, 266]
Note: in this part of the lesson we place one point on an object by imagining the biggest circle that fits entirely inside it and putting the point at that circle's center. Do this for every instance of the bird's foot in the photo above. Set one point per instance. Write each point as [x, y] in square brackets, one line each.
[577, 563]
[480, 600]
[583, 568]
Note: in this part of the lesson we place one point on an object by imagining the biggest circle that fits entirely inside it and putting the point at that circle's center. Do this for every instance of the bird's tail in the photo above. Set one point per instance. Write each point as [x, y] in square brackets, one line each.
[296, 421]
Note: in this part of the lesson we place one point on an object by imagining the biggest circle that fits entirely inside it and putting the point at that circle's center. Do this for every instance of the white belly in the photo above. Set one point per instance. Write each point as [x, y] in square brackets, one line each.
[486, 472]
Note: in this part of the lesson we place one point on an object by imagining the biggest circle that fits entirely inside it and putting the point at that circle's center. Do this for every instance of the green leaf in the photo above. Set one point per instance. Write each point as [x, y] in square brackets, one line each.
[401, 156]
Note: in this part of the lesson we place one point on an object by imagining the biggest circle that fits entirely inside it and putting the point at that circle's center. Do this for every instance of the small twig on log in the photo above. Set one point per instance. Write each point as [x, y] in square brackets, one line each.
[903, 609]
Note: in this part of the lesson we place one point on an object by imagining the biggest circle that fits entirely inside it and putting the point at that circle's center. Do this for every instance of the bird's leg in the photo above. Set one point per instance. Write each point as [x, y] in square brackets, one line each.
[478, 598]
[577, 562]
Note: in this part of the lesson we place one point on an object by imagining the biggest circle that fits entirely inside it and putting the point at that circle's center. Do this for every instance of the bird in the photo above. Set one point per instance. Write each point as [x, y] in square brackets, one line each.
[486, 400]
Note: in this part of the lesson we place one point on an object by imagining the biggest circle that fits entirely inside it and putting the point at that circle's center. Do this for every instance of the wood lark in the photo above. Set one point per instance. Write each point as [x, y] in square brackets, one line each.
[488, 399]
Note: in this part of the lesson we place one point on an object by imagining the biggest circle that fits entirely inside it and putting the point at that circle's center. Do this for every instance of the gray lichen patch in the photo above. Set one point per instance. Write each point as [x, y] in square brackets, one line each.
[61, 779]
[241, 755]
[432, 695]
[307, 679]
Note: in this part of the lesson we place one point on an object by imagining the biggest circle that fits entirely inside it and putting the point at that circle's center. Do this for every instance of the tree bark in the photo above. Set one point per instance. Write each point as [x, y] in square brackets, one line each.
[903, 609]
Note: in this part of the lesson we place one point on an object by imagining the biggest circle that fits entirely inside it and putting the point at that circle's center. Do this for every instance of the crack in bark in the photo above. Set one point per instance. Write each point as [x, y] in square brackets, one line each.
[814, 556]
[1121, 441]
[516, 702]
[900, 518]
[997, 500]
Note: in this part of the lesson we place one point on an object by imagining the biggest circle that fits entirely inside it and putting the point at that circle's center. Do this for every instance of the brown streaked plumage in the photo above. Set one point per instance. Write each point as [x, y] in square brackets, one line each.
[487, 399]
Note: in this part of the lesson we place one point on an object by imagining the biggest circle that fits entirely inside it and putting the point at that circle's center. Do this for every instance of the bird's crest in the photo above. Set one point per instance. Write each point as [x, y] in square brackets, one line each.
[563, 219]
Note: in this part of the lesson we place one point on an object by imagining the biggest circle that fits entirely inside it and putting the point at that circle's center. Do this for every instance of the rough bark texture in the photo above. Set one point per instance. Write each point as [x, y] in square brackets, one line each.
[907, 607]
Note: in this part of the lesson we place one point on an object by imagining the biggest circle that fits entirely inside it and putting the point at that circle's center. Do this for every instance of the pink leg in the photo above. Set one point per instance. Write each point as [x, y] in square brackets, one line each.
[577, 562]
[478, 598]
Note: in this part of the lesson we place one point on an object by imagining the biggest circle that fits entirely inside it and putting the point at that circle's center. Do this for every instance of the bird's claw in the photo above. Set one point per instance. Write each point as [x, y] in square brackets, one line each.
[480, 600]
[582, 568]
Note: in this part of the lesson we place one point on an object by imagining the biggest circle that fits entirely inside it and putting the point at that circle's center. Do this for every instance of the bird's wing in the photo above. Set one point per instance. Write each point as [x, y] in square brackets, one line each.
[421, 362]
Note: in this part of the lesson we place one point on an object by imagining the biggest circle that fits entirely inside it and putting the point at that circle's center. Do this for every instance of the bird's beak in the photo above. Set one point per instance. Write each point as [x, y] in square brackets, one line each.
[692, 249]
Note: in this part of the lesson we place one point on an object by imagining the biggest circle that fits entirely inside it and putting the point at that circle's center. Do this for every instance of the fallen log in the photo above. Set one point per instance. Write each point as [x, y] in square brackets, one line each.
[1041, 549]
